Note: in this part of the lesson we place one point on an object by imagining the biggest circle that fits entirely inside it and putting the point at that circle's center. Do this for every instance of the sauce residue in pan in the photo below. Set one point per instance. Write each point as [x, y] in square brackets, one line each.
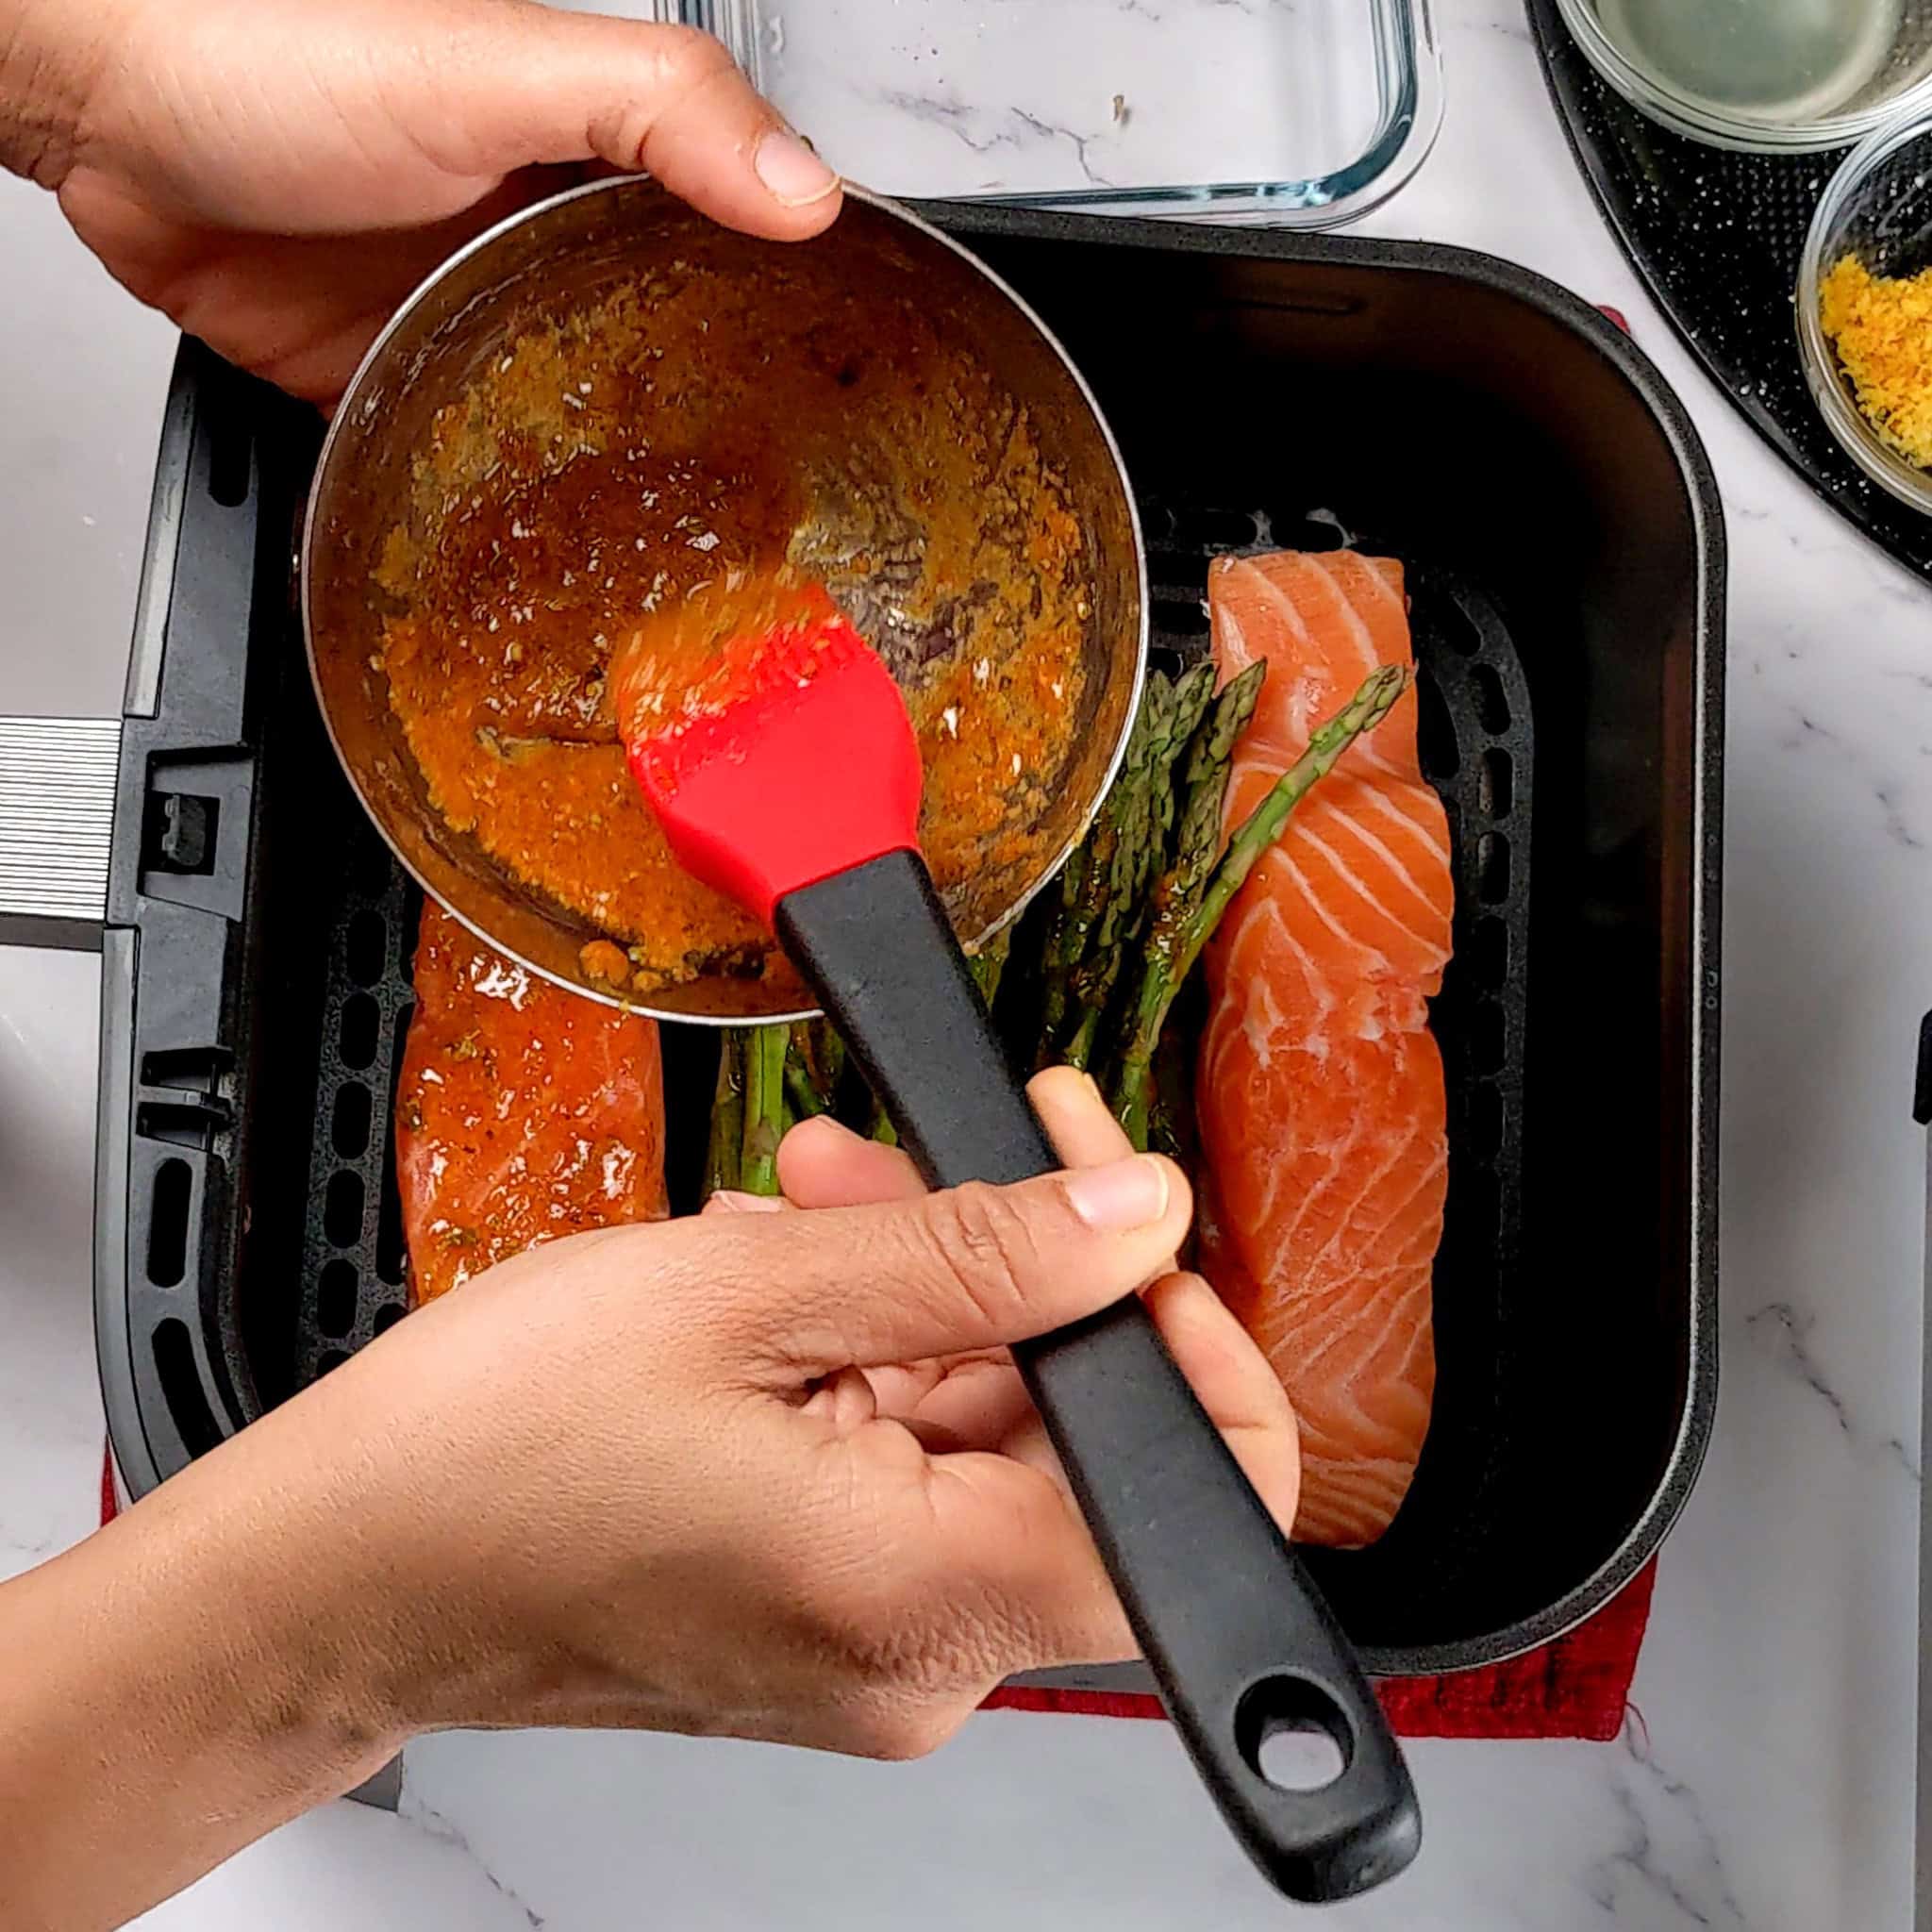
[694, 656]
[661, 449]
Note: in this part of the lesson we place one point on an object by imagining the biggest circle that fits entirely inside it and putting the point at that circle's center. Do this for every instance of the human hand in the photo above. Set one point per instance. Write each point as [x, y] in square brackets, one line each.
[975, 1399]
[765, 1475]
[762, 1473]
[277, 175]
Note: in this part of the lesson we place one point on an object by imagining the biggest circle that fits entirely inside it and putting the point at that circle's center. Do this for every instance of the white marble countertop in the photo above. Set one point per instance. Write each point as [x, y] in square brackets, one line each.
[1770, 1785]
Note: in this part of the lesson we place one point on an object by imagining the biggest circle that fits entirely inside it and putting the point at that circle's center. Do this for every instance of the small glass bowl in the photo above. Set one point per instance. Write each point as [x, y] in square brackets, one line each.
[1888, 73]
[1878, 207]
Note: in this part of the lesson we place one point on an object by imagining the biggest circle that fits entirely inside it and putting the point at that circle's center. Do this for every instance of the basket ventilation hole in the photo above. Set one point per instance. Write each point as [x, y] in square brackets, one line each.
[342, 1213]
[335, 1298]
[361, 1021]
[1486, 1039]
[349, 1131]
[1492, 706]
[1495, 784]
[1488, 953]
[1493, 868]
[167, 1227]
[173, 1350]
[368, 946]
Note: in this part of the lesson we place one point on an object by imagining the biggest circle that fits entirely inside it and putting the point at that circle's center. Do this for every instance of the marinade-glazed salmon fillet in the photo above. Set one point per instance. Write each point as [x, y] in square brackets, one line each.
[1321, 1099]
[524, 1112]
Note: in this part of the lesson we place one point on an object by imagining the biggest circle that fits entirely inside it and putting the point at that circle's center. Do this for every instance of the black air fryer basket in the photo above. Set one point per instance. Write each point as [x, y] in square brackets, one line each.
[1566, 556]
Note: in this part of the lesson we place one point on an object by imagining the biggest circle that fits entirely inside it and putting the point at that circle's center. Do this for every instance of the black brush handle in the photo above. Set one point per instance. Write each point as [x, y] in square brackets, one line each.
[1238, 1636]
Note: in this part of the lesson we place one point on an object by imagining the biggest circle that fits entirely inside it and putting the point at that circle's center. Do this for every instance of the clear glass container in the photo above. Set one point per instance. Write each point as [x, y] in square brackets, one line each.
[1877, 209]
[1308, 111]
[1773, 76]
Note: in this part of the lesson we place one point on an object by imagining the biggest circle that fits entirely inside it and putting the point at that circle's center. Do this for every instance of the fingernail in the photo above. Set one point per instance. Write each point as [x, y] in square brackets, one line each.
[792, 174]
[1121, 1195]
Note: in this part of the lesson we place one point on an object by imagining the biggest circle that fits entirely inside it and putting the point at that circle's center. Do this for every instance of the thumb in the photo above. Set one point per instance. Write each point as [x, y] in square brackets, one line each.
[543, 87]
[968, 1267]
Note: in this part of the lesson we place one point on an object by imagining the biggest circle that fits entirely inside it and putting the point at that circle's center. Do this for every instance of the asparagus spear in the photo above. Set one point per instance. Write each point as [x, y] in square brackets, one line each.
[990, 964]
[1092, 977]
[764, 1108]
[1138, 853]
[827, 1051]
[1194, 693]
[1171, 1107]
[724, 1150]
[1371, 703]
[1203, 785]
[1054, 940]
[1147, 856]
[1120, 823]
[814, 1059]
[801, 1093]
[1209, 755]
[1182, 923]
[1197, 841]
[1079, 1051]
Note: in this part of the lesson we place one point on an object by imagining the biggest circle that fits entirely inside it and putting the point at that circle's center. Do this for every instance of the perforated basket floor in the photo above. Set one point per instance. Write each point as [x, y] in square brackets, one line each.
[1477, 747]
[354, 1268]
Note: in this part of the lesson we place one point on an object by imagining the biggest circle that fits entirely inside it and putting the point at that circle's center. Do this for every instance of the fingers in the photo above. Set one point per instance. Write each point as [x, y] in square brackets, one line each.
[1075, 1117]
[1021, 1562]
[844, 1400]
[822, 1164]
[977, 1400]
[1078, 1122]
[733, 1201]
[1024, 1567]
[1241, 1393]
[544, 86]
[979, 1267]
[969, 1268]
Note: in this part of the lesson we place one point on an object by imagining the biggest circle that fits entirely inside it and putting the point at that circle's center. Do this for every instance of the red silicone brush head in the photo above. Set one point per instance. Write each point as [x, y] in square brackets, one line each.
[794, 761]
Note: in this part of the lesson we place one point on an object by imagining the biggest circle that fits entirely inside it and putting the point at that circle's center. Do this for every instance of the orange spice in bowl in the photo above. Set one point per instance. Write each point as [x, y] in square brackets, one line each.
[1881, 328]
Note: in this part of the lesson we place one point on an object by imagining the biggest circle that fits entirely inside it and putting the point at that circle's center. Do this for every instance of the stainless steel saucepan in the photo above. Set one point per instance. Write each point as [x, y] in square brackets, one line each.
[877, 472]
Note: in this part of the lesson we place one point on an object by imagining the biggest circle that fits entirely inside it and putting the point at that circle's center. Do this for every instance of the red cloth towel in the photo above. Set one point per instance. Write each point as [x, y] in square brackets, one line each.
[1577, 1687]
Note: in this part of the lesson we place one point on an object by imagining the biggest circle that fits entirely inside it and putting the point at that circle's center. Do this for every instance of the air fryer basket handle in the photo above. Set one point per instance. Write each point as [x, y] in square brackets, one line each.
[1239, 1639]
[57, 827]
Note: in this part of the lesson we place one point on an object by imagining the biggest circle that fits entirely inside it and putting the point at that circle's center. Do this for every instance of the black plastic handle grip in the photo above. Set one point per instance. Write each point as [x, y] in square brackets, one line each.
[1238, 1636]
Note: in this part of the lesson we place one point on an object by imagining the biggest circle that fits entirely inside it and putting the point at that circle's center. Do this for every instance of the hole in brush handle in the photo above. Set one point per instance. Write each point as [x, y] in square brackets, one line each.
[1239, 1639]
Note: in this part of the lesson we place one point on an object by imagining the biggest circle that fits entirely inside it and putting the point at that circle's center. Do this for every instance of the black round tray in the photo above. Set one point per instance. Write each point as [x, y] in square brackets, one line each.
[1717, 236]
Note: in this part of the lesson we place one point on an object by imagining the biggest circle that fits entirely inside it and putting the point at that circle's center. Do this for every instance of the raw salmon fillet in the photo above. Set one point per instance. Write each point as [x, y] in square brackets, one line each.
[1322, 1107]
[524, 1112]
